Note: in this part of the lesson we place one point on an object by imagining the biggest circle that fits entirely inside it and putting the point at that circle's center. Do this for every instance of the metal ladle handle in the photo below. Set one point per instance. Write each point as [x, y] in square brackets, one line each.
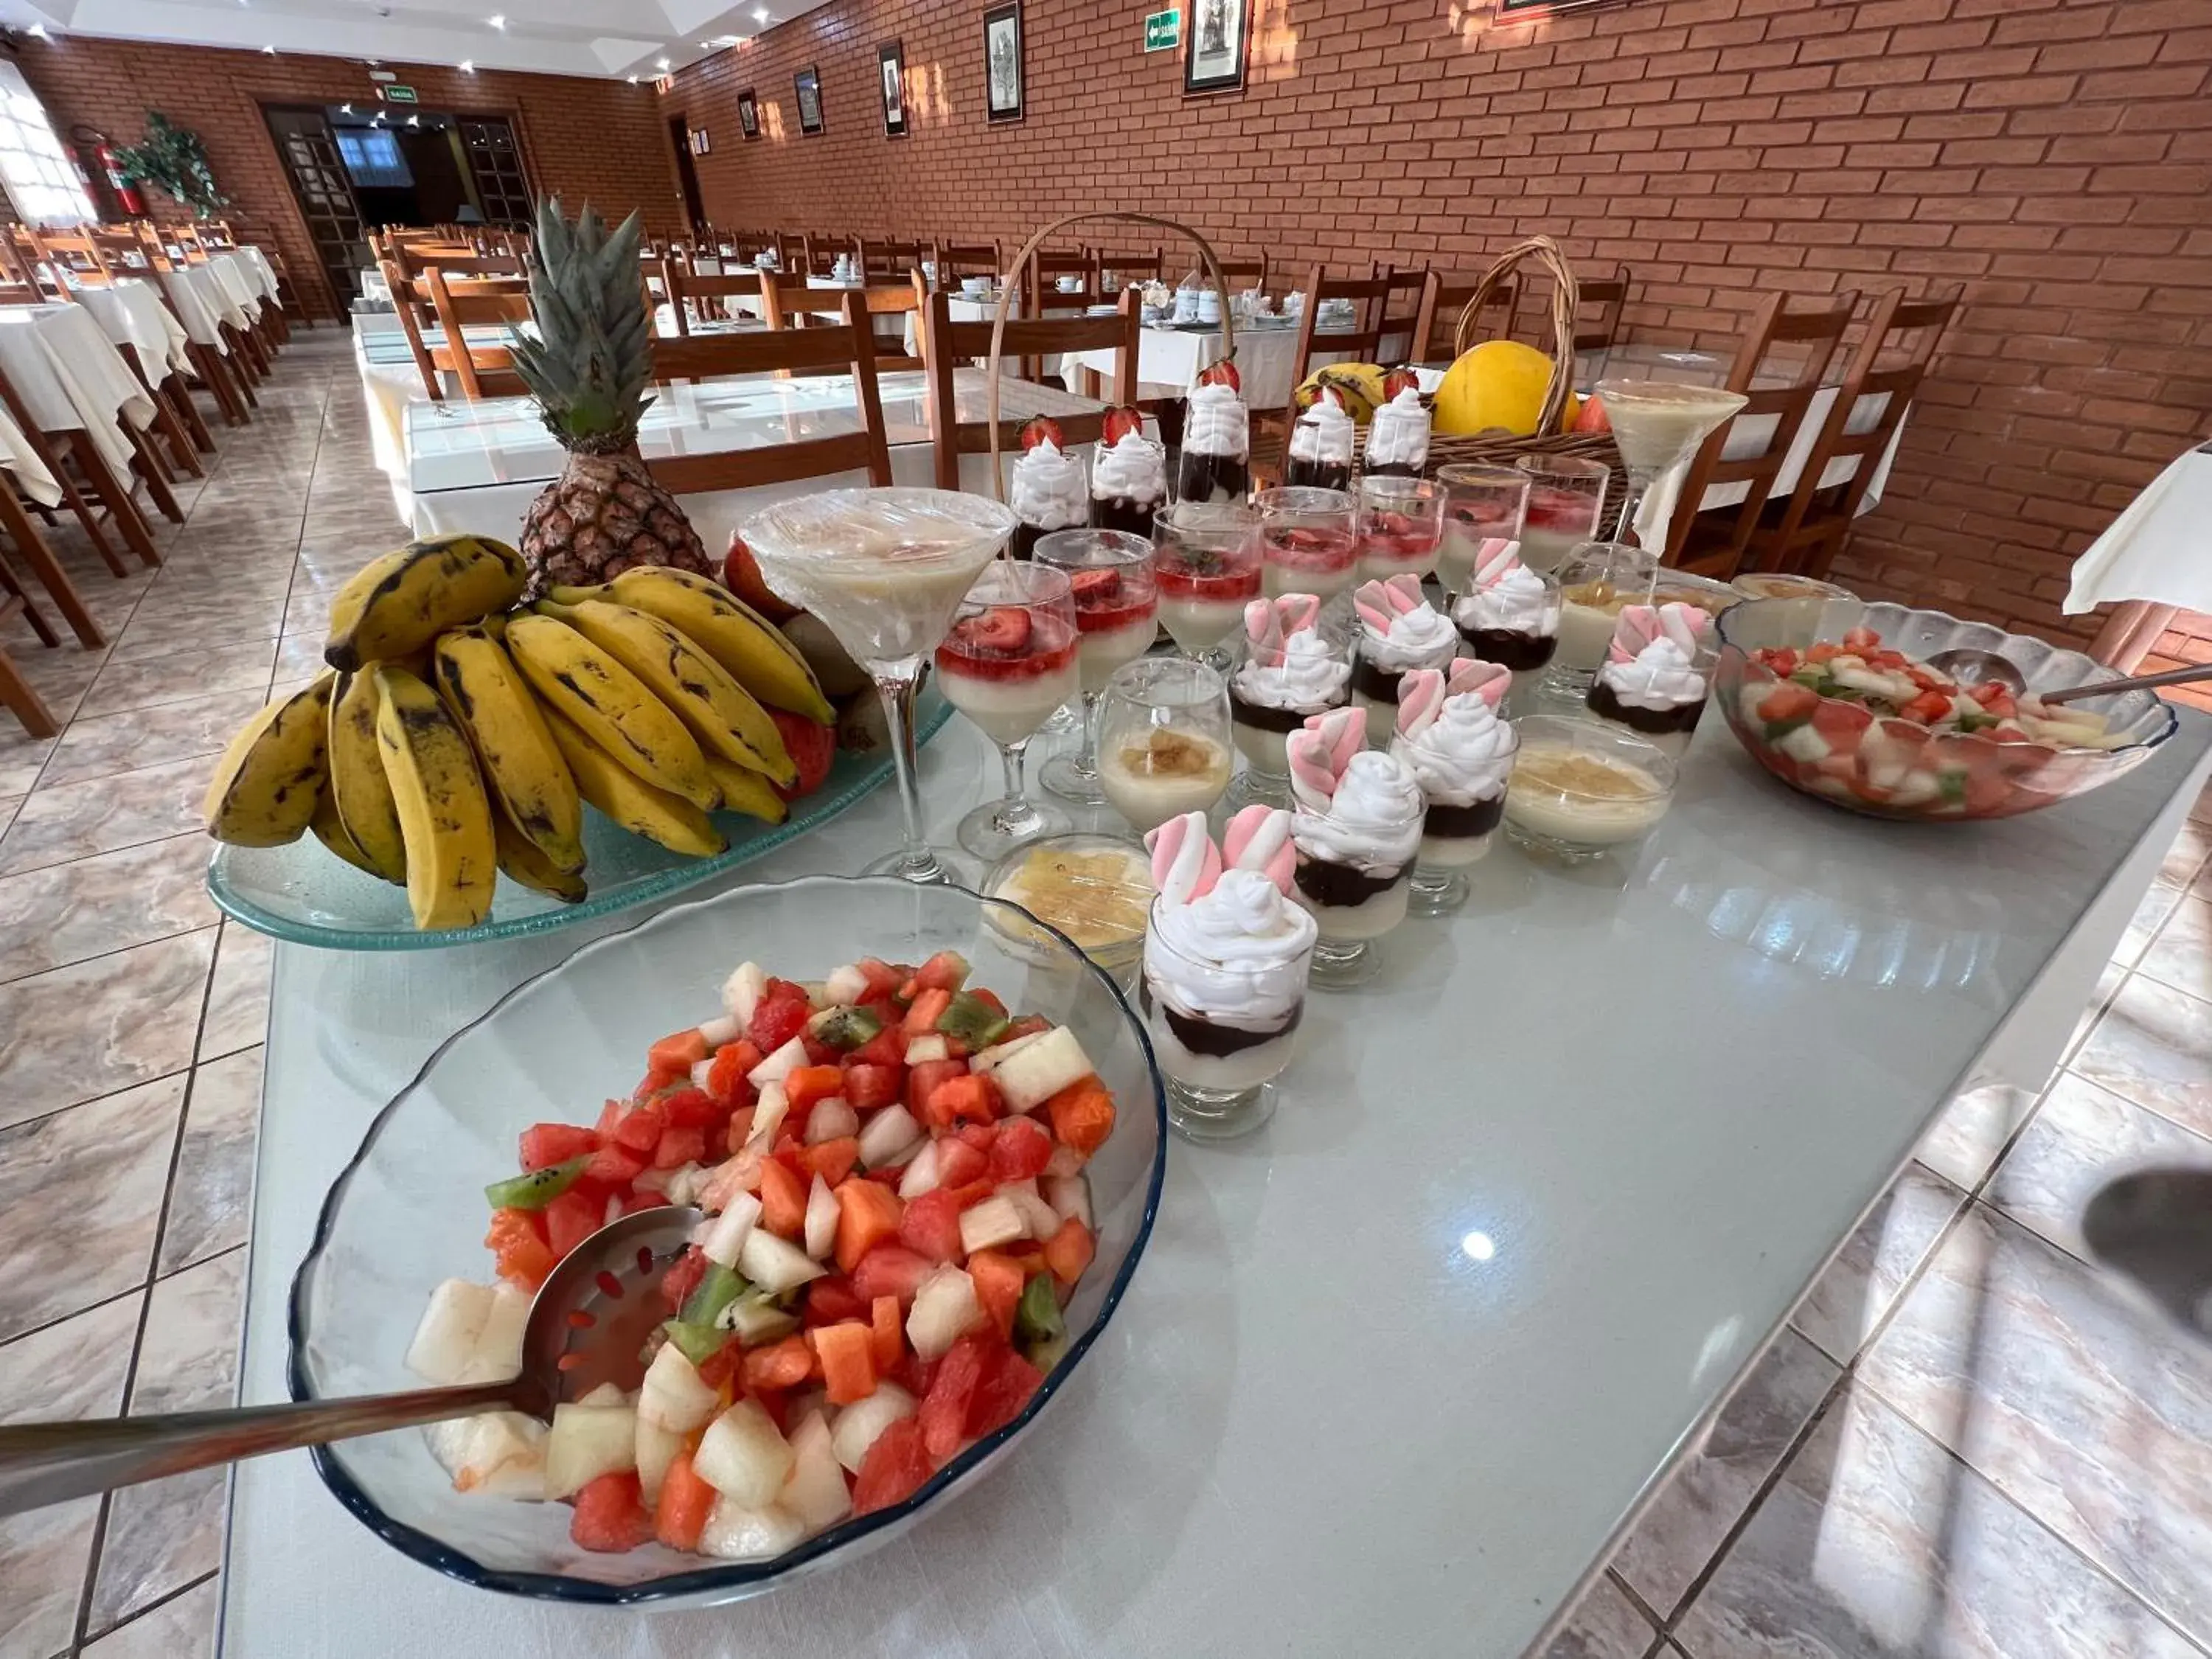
[2136, 683]
[43, 1463]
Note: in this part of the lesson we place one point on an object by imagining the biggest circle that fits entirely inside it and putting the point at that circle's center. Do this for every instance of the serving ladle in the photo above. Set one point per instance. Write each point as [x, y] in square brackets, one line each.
[1970, 666]
[587, 1324]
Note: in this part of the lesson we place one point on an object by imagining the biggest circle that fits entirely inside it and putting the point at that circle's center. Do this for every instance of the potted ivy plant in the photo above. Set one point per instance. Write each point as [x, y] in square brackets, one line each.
[174, 158]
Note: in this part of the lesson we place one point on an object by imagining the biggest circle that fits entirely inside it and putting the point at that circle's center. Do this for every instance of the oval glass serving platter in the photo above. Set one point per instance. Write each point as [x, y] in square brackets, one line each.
[305, 895]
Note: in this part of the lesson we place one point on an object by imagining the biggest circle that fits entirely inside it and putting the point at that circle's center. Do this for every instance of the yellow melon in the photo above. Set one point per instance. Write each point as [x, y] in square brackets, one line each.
[1498, 384]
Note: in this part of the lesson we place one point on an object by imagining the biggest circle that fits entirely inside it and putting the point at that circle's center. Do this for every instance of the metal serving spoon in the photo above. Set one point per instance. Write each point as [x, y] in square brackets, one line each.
[1970, 666]
[586, 1325]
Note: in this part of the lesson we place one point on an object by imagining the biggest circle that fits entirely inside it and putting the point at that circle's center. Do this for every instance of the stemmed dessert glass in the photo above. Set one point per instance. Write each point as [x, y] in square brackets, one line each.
[1400, 525]
[1481, 503]
[1657, 425]
[1206, 563]
[1116, 618]
[1162, 732]
[884, 570]
[1307, 544]
[1008, 663]
[1236, 1094]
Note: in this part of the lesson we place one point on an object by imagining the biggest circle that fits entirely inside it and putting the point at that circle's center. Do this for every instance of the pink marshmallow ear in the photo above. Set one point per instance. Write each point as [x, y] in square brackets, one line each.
[1307, 750]
[1372, 602]
[1405, 591]
[1185, 865]
[1299, 611]
[1263, 630]
[1258, 838]
[1638, 625]
[1420, 696]
[1486, 680]
[1345, 731]
[1498, 558]
[1685, 623]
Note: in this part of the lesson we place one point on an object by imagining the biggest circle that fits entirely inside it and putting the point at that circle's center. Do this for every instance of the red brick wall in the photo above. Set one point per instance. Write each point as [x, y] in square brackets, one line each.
[596, 139]
[2054, 155]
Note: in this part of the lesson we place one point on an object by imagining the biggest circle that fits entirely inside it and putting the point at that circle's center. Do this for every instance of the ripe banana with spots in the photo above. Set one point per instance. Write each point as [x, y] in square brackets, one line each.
[611, 707]
[399, 604]
[521, 859]
[329, 828]
[521, 767]
[718, 712]
[717, 622]
[746, 791]
[265, 786]
[444, 812]
[628, 799]
[359, 794]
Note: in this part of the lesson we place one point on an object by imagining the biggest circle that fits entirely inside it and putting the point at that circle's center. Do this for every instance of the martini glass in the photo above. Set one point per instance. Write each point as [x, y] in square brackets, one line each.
[885, 570]
[1657, 425]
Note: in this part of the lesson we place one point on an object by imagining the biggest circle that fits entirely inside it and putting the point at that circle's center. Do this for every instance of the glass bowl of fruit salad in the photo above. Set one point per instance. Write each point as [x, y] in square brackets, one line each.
[927, 1162]
[1846, 709]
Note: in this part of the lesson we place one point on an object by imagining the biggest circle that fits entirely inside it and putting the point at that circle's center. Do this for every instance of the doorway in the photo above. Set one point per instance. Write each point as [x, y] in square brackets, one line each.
[686, 173]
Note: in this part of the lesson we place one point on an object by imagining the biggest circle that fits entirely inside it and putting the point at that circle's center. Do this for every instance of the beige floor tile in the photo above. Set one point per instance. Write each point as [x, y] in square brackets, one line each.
[71, 912]
[238, 1001]
[94, 1027]
[212, 1190]
[101, 815]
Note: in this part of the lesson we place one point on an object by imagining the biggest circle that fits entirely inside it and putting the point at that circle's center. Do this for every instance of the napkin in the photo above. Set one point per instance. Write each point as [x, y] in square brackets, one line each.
[2157, 549]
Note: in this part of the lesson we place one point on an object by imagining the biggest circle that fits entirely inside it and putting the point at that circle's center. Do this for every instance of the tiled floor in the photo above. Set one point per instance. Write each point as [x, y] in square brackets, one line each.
[1965, 1443]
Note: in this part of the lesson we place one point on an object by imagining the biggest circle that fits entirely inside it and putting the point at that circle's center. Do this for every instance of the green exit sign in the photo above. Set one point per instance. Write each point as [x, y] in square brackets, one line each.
[399, 94]
[1163, 31]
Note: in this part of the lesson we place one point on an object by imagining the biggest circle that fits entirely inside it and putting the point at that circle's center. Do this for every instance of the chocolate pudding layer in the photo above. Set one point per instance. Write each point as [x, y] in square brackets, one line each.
[1206, 1036]
[1683, 717]
[1443, 822]
[1265, 716]
[1374, 683]
[1509, 649]
[1340, 883]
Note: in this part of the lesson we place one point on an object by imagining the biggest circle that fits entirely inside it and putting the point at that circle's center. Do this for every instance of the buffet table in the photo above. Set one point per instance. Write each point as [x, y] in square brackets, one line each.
[1393, 1373]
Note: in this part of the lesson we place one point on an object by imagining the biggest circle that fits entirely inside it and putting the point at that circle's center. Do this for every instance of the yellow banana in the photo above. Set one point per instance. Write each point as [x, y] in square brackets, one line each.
[330, 828]
[720, 713]
[611, 706]
[265, 785]
[522, 769]
[629, 800]
[521, 859]
[359, 793]
[399, 604]
[746, 792]
[729, 630]
[444, 813]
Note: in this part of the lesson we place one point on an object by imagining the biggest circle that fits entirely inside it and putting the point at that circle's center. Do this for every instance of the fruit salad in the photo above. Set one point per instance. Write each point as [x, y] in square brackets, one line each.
[891, 1169]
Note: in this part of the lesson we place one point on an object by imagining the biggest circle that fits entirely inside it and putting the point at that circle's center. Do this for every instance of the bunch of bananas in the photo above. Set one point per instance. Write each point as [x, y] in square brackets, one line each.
[454, 737]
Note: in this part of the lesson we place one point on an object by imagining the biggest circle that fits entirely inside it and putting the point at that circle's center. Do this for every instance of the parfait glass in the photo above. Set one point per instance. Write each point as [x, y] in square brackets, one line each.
[1657, 426]
[1205, 564]
[1307, 543]
[1566, 494]
[1162, 732]
[1400, 525]
[1221, 1076]
[1481, 503]
[1596, 581]
[1008, 663]
[885, 570]
[1116, 618]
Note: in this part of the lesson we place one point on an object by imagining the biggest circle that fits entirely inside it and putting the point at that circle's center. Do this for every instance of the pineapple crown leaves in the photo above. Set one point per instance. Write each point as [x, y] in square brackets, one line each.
[592, 360]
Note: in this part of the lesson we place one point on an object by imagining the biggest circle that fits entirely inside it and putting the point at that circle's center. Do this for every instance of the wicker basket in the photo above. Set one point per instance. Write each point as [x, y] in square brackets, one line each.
[1500, 448]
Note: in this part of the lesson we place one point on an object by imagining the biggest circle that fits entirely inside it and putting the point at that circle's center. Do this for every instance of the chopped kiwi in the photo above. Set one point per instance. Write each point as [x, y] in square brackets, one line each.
[538, 1188]
[1036, 1316]
[699, 1343]
[844, 1029]
[973, 1021]
[721, 1287]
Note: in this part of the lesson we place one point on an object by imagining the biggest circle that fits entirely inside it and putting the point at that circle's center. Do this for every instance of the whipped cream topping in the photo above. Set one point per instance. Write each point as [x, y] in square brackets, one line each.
[1373, 821]
[1324, 432]
[1399, 435]
[1660, 676]
[1420, 638]
[1217, 423]
[1465, 756]
[1046, 489]
[1514, 603]
[1235, 955]
[1310, 677]
[1133, 469]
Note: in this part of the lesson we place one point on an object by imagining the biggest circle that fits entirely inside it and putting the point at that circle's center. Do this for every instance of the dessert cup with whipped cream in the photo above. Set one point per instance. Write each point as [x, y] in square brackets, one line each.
[1206, 560]
[1321, 439]
[1226, 959]
[1047, 490]
[1597, 579]
[1482, 504]
[1216, 464]
[1401, 525]
[1510, 616]
[1566, 496]
[1116, 618]
[1398, 438]
[1128, 484]
[1163, 738]
[1461, 755]
[1399, 631]
[1291, 671]
[1307, 541]
[1007, 664]
[1357, 827]
[1581, 788]
[1657, 673]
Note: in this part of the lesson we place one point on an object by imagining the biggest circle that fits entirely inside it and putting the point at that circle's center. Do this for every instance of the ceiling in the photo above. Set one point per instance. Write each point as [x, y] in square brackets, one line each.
[600, 38]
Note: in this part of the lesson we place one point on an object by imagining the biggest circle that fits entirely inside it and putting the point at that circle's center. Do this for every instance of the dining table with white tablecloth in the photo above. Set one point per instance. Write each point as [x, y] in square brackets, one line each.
[240, 290]
[1170, 360]
[69, 377]
[200, 304]
[130, 312]
[21, 463]
[260, 274]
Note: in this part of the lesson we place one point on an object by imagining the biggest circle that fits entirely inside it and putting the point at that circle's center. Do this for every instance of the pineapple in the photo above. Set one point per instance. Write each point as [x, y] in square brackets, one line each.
[589, 368]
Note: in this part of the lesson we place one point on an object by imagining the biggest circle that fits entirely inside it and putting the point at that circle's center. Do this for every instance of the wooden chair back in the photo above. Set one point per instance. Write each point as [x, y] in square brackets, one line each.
[1780, 365]
[1443, 299]
[687, 291]
[1128, 268]
[483, 370]
[821, 252]
[841, 347]
[954, 260]
[1040, 281]
[1884, 375]
[1376, 309]
[1597, 317]
[787, 304]
[791, 252]
[948, 344]
[887, 257]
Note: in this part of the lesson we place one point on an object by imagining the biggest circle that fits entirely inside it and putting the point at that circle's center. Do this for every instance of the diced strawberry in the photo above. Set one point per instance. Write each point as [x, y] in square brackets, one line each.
[943, 1414]
[1008, 1382]
[1002, 631]
[544, 1144]
[960, 1165]
[1042, 429]
[1095, 590]
[1222, 373]
[891, 1270]
[870, 1086]
[610, 1516]
[897, 1466]
[1121, 420]
[571, 1218]
[931, 1227]
[1019, 1151]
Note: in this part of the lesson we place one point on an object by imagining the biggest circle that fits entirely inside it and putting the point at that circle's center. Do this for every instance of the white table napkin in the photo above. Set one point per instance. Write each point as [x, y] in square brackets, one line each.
[2159, 548]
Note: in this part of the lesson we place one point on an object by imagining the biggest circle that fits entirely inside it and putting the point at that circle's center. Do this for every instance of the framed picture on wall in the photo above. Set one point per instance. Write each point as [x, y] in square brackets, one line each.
[749, 113]
[890, 64]
[1003, 71]
[1213, 61]
[807, 84]
[699, 144]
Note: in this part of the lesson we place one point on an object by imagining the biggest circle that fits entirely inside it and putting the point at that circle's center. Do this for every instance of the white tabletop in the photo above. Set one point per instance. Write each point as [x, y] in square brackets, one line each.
[130, 312]
[1170, 360]
[1392, 1373]
[200, 304]
[70, 376]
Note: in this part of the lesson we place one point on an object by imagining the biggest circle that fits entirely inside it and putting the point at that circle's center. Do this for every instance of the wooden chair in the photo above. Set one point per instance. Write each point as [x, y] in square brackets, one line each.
[90, 491]
[481, 370]
[842, 348]
[1397, 312]
[1041, 284]
[822, 250]
[887, 257]
[948, 344]
[15, 691]
[954, 260]
[1597, 319]
[795, 305]
[1804, 531]
[1443, 300]
[1780, 386]
[690, 294]
[37, 553]
[1128, 268]
[791, 252]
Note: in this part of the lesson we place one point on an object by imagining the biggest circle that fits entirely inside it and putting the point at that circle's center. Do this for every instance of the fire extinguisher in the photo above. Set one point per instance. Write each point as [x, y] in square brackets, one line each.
[126, 193]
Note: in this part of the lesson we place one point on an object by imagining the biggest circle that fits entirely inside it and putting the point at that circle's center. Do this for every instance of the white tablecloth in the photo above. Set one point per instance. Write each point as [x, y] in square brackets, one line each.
[238, 289]
[28, 470]
[69, 377]
[130, 312]
[198, 299]
[1170, 360]
[258, 271]
[2158, 550]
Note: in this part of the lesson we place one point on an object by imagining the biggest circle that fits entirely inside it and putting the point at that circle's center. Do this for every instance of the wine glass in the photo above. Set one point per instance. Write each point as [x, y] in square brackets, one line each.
[1206, 562]
[1306, 541]
[1162, 732]
[1481, 503]
[884, 570]
[1116, 618]
[1400, 525]
[1566, 494]
[1008, 663]
[1657, 426]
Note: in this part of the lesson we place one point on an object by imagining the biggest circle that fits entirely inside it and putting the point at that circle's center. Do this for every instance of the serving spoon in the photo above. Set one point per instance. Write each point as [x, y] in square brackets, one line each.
[587, 1324]
[1969, 666]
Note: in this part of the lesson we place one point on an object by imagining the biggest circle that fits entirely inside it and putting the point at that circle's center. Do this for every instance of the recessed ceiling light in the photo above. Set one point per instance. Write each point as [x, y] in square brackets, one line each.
[662, 64]
[39, 32]
[633, 79]
[759, 14]
[345, 109]
[497, 20]
[468, 66]
[271, 50]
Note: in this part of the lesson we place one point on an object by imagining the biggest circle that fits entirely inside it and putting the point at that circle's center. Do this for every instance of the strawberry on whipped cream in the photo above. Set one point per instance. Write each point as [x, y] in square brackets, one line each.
[1399, 631]
[1657, 672]
[1289, 672]
[1460, 753]
[1357, 827]
[1398, 437]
